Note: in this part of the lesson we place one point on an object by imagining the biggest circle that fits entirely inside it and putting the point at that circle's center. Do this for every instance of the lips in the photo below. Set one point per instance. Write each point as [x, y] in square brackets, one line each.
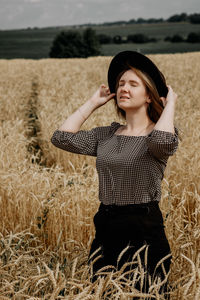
[123, 97]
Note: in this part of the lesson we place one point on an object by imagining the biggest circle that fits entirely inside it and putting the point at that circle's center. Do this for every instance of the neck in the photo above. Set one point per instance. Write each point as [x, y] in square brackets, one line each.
[137, 120]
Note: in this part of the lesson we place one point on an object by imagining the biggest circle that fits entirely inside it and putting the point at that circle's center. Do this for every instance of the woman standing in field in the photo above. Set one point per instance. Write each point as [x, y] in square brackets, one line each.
[131, 160]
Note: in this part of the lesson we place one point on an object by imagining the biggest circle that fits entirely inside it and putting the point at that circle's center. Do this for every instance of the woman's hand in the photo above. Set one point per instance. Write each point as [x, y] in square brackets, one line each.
[101, 96]
[171, 96]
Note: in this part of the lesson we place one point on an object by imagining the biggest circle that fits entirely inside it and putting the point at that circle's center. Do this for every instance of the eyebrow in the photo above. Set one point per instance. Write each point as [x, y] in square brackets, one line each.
[132, 81]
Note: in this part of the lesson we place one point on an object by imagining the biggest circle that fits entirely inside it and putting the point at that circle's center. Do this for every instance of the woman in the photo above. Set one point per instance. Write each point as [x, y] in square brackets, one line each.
[131, 160]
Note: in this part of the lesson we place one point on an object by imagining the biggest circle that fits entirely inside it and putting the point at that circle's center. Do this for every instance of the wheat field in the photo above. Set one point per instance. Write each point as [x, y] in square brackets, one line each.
[48, 196]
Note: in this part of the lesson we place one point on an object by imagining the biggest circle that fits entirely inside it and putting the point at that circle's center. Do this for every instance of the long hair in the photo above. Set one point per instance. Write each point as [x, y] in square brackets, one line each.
[155, 107]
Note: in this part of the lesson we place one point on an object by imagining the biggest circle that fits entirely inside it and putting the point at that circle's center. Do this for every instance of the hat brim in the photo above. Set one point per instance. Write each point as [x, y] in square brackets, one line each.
[137, 60]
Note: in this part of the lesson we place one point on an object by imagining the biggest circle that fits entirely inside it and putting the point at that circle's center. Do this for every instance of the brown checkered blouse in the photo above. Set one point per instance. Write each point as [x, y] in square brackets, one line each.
[130, 168]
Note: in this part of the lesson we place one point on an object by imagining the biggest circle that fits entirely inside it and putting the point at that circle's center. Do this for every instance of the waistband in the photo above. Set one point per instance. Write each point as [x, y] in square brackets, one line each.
[142, 207]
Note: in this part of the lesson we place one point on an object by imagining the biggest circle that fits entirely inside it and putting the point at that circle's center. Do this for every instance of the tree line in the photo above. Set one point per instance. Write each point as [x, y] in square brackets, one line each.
[183, 17]
[142, 38]
[74, 44]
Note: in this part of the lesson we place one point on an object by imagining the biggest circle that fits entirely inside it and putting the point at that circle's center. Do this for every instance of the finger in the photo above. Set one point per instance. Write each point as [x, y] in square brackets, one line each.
[102, 87]
[169, 87]
[163, 101]
[110, 96]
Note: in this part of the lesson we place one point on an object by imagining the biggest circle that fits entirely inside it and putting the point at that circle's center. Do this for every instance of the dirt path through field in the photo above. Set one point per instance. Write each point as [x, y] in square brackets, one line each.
[33, 126]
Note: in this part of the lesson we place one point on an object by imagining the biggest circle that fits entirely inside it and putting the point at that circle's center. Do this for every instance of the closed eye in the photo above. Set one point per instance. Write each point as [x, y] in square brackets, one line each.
[131, 82]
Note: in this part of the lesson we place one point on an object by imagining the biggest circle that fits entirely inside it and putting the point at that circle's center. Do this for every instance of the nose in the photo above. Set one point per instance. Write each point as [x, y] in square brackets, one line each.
[124, 87]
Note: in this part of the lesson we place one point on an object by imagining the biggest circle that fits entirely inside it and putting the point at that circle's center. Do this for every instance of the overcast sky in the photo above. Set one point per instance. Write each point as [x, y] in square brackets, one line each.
[16, 14]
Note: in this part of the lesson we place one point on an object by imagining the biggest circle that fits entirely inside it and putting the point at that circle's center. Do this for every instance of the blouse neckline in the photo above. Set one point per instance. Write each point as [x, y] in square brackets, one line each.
[130, 136]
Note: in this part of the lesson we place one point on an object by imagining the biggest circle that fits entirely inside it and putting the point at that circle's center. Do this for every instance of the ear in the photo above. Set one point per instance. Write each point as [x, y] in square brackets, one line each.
[148, 100]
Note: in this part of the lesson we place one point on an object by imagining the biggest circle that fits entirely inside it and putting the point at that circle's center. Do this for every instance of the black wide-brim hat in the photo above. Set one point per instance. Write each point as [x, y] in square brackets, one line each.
[123, 60]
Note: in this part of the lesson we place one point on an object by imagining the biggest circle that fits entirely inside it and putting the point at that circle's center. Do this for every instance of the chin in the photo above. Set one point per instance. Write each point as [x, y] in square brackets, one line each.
[121, 105]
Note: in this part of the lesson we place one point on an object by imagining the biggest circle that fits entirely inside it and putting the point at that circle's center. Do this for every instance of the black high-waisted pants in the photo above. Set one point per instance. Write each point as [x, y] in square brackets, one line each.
[134, 225]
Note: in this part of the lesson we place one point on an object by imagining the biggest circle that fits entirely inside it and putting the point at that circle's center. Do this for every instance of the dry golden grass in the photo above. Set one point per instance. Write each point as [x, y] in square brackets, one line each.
[48, 196]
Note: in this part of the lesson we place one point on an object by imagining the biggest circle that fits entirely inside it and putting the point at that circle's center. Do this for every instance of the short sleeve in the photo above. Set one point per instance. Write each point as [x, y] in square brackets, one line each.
[162, 143]
[82, 142]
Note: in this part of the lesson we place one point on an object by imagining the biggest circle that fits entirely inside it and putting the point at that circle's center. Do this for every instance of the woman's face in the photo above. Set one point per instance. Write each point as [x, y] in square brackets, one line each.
[131, 92]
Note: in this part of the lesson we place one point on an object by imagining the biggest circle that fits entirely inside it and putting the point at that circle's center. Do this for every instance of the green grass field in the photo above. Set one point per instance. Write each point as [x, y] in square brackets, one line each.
[160, 47]
[36, 43]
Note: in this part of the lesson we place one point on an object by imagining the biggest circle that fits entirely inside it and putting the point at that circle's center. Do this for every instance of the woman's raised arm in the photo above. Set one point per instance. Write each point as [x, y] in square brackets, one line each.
[166, 120]
[163, 141]
[75, 121]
